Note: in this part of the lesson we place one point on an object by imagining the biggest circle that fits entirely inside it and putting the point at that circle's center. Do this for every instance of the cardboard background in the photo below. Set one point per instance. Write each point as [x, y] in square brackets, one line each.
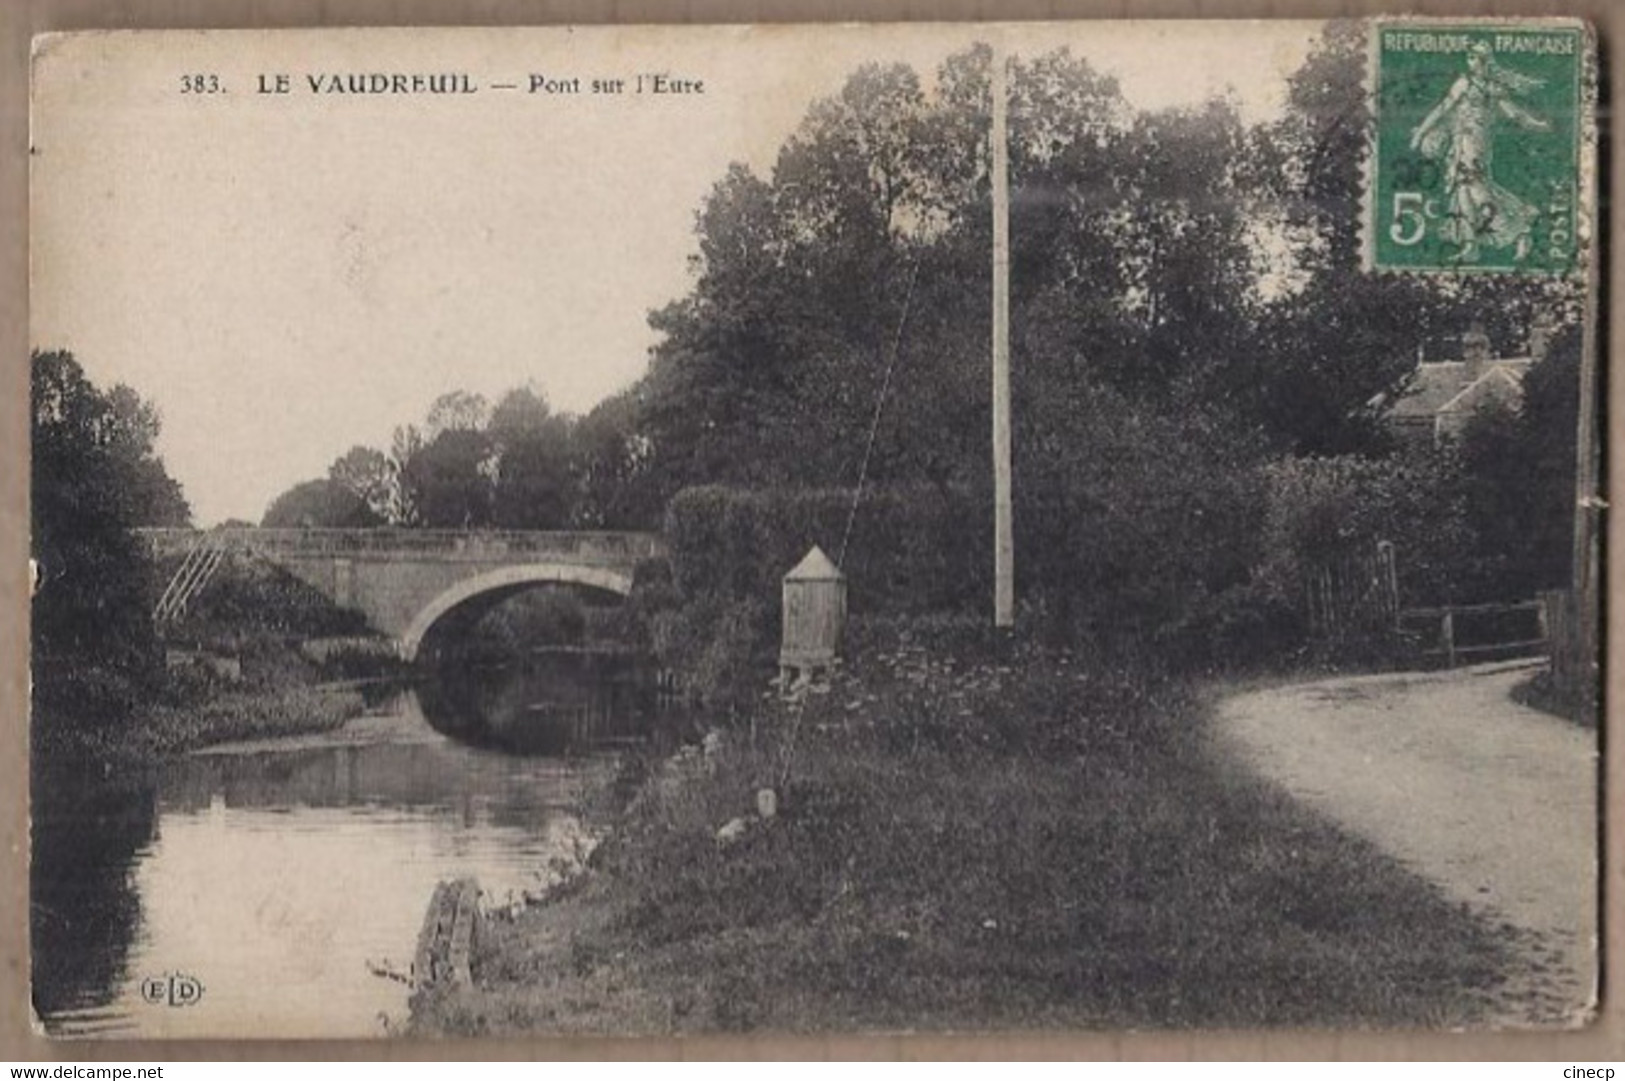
[21, 19]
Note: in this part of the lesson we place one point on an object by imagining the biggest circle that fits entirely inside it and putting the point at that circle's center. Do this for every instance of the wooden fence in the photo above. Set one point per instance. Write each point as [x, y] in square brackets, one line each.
[1462, 633]
[1354, 602]
[1356, 597]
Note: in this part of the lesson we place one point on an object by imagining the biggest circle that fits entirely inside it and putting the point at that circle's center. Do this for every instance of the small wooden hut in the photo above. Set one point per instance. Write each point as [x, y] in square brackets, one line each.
[814, 616]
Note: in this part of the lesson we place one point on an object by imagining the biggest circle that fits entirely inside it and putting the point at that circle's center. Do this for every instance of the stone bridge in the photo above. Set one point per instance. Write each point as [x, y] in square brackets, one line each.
[414, 584]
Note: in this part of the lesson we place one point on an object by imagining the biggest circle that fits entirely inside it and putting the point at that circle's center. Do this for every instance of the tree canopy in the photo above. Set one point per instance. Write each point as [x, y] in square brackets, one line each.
[95, 476]
[1182, 258]
[469, 465]
[1186, 287]
[326, 503]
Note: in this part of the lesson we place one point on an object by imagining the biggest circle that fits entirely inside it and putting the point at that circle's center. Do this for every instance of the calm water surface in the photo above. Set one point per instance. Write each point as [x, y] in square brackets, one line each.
[286, 880]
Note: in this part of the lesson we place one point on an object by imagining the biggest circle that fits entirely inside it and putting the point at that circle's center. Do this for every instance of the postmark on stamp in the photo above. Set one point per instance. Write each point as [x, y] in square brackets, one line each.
[1477, 157]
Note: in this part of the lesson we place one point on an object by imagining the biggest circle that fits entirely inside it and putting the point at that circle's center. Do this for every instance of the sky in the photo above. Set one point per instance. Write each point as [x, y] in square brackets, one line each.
[288, 275]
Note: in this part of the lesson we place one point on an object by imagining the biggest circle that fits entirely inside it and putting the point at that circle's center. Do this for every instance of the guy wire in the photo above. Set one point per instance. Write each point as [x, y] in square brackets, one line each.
[880, 405]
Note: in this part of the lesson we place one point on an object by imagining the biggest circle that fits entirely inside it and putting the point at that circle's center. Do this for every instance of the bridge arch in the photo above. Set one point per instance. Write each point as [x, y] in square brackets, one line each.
[494, 585]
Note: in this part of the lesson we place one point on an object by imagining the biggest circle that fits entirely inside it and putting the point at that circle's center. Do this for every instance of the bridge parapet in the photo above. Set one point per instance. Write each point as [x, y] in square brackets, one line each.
[448, 545]
[404, 581]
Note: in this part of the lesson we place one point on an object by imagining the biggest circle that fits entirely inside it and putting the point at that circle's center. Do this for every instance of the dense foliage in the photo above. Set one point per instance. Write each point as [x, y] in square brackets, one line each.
[908, 550]
[1486, 517]
[100, 685]
[1518, 476]
[471, 465]
[969, 841]
[1201, 368]
[326, 503]
[95, 476]
[1202, 372]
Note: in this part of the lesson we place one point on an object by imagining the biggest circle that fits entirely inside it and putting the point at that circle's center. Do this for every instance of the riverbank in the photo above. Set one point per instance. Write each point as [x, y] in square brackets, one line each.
[283, 694]
[258, 655]
[969, 840]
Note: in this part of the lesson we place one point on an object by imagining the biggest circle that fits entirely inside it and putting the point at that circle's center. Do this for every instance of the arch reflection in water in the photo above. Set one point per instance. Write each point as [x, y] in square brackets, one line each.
[553, 702]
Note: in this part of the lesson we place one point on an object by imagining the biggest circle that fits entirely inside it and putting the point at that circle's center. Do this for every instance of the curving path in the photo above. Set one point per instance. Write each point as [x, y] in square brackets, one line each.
[1491, 800]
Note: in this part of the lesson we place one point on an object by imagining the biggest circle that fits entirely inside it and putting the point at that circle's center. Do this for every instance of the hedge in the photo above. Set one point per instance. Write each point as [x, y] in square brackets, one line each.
[911, 550]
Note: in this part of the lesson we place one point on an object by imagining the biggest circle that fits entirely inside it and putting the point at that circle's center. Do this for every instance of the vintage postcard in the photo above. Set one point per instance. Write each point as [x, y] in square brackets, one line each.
[666, 530]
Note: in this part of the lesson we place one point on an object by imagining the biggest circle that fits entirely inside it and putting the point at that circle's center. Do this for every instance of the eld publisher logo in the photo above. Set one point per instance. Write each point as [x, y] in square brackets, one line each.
[171, 989]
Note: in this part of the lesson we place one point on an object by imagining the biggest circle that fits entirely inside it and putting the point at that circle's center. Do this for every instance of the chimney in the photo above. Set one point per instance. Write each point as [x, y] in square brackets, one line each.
[1475, 352]
[1540, 335]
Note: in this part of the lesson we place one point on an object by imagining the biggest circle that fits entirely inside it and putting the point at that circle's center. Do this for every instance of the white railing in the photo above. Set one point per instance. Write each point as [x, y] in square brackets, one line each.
[190, 577]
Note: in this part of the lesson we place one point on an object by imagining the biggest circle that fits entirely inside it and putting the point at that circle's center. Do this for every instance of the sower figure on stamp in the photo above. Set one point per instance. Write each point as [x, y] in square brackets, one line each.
[1459, 133]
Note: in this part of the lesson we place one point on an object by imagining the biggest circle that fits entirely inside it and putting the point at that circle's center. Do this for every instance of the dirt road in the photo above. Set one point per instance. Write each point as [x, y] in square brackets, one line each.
[1493, 801]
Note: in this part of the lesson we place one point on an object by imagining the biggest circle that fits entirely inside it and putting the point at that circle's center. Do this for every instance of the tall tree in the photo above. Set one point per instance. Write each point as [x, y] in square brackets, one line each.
[320, 504]
[94, 650]
[151, 495]
[457, 410]
[449, 480]
[534, 487]
[372, 477]
[405, 443]
[446, 469]
[864, 257]
[613, 459]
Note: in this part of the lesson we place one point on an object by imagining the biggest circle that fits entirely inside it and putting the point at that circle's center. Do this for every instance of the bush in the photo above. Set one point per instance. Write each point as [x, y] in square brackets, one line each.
[1132, 523]
[72, 694]
[715, 619]
[1324, 509]
[911, 549]
[1133, 530]
[546, 616]
[355, 657]
[245, 715]
[721, 647]
[249, 594]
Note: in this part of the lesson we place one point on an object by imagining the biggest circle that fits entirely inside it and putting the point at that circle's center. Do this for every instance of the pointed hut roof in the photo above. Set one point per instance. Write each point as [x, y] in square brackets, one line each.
[815, 567]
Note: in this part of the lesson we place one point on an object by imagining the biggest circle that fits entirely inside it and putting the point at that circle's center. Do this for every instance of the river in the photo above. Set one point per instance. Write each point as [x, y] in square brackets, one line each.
[277, 888]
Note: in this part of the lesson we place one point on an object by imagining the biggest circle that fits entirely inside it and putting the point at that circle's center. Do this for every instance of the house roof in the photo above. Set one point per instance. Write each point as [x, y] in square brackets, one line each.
[1443, 385]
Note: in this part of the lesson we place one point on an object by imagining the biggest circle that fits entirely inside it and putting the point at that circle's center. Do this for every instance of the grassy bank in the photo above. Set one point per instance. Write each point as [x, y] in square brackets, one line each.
[189, 713]
[967, 840]
[1541, 691]
[250, 660]
[162, 731]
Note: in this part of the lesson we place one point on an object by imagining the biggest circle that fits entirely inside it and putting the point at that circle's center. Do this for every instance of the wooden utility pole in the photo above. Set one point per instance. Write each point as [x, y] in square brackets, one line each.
[1004, 608]
[1588, 504]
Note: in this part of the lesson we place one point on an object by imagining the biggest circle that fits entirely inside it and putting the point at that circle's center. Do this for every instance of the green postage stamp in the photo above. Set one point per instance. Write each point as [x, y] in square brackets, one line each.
[1480, 129]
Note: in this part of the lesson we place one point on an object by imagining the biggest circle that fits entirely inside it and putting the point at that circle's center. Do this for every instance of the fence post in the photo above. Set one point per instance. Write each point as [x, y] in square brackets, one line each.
[1447, 637]
[1330, 599]
[1390, 580]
